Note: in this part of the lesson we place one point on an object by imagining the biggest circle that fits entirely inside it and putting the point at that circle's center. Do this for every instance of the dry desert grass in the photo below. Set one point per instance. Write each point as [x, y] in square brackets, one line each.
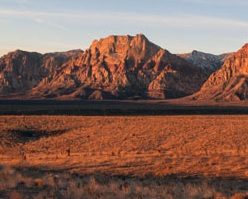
[124, 157]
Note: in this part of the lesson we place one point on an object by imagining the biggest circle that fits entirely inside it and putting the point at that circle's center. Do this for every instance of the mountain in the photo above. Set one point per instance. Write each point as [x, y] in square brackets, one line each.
[123, 67]
[21, 71]
[116, 67]
[209, 63]
[230, 82]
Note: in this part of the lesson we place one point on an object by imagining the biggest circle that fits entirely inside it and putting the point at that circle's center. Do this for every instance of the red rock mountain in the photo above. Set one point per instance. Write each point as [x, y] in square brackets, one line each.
[116, 67]
[231, 81]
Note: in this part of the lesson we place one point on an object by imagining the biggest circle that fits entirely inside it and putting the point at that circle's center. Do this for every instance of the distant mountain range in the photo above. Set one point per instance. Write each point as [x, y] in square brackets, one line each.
[124, 67]
[207, 62]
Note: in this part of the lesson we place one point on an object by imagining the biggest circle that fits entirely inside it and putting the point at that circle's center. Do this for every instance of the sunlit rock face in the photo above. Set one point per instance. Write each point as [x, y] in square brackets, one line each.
[116, 67]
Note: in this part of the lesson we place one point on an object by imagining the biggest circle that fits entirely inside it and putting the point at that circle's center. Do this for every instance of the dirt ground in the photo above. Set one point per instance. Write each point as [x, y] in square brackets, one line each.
[206, 152]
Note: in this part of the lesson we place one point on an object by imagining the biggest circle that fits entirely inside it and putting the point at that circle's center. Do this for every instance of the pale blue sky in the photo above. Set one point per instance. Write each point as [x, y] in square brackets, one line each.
[214, 26]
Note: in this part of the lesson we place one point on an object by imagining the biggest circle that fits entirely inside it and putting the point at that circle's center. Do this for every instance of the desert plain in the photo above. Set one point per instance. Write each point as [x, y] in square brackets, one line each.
[132, 156]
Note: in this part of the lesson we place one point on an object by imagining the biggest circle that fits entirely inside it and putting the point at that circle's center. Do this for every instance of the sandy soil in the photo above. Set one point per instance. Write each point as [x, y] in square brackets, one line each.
[196, 147]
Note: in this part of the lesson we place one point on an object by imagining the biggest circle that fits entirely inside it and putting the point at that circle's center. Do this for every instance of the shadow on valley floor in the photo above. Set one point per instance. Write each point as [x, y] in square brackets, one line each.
[117, 107]
[23, 136]
[45, 183]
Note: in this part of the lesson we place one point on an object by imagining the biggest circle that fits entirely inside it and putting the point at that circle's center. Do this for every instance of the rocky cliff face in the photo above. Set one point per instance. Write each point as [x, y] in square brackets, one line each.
[118, 67]
[231, 81]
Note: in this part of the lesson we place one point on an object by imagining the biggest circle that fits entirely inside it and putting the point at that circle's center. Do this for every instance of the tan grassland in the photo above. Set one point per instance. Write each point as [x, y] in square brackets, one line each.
[199, 156]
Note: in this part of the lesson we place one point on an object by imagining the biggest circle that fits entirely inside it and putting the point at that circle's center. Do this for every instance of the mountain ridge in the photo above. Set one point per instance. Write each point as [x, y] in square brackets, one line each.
[115, 67]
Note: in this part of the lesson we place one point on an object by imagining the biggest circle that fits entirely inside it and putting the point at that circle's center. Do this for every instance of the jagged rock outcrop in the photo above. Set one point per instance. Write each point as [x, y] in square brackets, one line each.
[116, 67]
[230, 82]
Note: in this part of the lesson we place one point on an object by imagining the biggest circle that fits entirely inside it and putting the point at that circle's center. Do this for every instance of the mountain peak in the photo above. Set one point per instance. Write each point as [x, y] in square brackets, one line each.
[194, 52]
[17, 52]
[137, 46]
[21, 53]
[141, 36]
[245, 46]
[209, 63]
[243, 52]
[120, 40]
[200, 54]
